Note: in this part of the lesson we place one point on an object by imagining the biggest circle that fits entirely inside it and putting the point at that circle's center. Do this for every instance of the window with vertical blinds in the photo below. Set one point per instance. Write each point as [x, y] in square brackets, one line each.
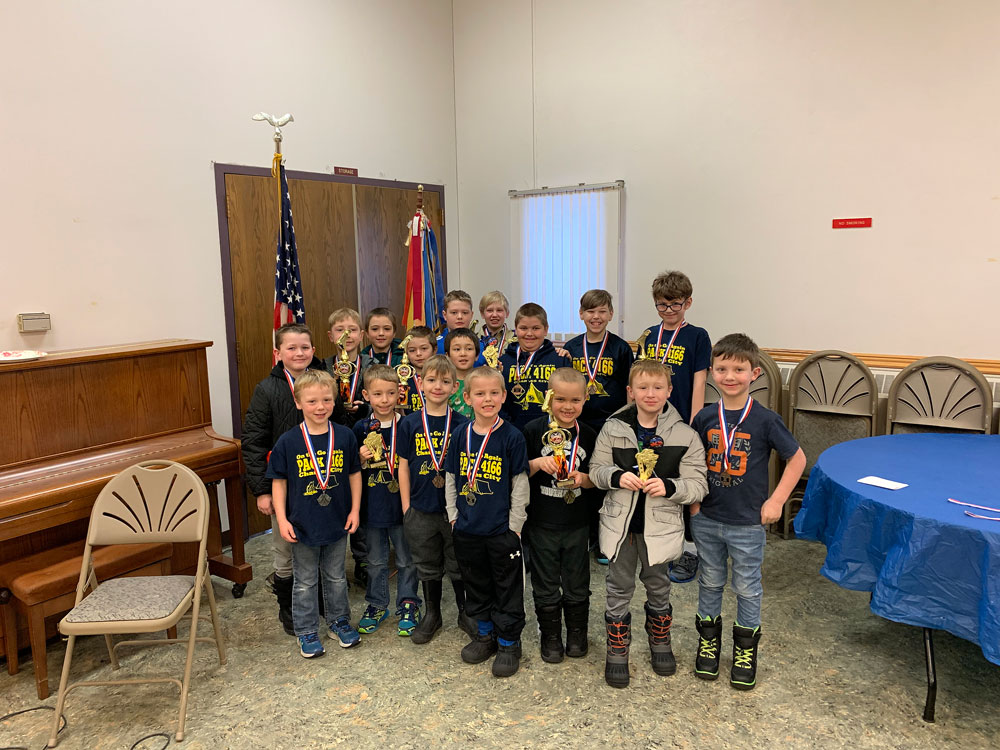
[564, 242]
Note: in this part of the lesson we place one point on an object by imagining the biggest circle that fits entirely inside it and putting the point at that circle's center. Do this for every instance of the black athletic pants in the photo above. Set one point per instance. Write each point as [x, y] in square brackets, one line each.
[492, 569]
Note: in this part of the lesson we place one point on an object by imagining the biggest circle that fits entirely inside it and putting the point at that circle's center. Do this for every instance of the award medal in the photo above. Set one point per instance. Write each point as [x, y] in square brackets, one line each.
[659, 337]
[390, 452]
[593, 387]
[519, 372]
[569, 496]
[472, 468]
[728, 436]
[438, 480]
[324, 482]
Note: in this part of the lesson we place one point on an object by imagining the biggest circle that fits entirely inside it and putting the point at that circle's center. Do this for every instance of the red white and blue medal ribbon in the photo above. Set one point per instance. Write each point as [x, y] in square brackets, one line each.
[290, 379]
[438, 463]
[391, 448]
[354, 378]
[472, 469]
[592, 374]
[323, 481]
[728, 436]
[659, 337]
[520, 372]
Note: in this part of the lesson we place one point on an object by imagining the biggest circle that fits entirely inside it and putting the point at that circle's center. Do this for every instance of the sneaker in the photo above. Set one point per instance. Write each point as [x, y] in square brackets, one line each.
[309, 646]
[409, 618]
[343, 632]
[371, 619]
[684, 569]
[601, 559]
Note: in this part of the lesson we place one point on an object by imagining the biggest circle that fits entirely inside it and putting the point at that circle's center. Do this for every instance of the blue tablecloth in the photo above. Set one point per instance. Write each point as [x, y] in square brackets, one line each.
[925, 561]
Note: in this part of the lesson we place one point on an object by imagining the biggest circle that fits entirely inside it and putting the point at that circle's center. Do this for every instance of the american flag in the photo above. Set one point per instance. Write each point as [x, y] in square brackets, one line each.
[289, 307]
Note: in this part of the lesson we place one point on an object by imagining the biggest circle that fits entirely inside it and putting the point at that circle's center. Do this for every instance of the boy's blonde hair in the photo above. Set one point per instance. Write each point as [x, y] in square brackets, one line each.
[649, 367]
[314, 377]
[423, 332]
[291, 328]
[532, 310]
[439, 364]
[456, 295]
[380, 372]
[344, 313]
[491, 298]
[484, 371]
[595, 298]
[672, 285]
[568, 376]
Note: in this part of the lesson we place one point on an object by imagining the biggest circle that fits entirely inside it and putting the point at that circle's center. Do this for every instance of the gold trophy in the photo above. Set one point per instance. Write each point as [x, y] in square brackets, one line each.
[556, 440]
[641, 350]
[374, 442]
[404, 370]
[646, 460]
[343, 368]
[473, 326]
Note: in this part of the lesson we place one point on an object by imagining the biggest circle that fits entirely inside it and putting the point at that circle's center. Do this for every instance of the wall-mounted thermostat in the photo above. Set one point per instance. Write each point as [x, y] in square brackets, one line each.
[33, 322]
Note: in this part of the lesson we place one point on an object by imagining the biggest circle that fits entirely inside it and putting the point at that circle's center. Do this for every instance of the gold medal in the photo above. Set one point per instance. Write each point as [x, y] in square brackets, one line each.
[393, 485]
[438, 481]
[470, 497]
[595, 389]
[569, 496]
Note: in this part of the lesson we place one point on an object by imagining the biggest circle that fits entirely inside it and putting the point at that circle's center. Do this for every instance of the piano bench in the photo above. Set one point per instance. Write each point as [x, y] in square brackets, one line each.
[44, 584]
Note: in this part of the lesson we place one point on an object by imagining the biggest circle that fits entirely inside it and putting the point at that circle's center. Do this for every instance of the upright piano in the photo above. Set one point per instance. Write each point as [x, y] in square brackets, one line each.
[72, 420]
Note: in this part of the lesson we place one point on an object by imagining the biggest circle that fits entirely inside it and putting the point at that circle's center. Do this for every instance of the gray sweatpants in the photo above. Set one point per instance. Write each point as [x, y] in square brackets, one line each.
[429, 538]
[621, 578]
[282, 550]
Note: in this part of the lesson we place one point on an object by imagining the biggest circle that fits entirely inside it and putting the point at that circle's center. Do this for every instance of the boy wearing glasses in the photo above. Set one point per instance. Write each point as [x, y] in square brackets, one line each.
[687, 350]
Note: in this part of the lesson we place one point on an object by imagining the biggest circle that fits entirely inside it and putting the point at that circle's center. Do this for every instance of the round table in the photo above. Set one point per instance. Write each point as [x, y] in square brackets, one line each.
[925, 561]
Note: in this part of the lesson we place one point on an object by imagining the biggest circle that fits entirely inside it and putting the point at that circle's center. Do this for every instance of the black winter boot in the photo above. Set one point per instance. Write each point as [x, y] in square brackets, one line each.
[465, 622]
[480, 648]
[431, 621]
[658, 628]
[577, 616]
[744, 673]
[706, 663]
[508, 660]
[619, 639]
[282, 588]
[550, 625]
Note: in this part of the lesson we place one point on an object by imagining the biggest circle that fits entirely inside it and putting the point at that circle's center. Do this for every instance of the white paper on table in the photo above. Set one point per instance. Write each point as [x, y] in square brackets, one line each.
[886, 484]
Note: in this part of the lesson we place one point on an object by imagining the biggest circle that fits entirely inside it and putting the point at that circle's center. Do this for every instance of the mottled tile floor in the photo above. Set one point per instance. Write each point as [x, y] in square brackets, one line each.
[832, 675]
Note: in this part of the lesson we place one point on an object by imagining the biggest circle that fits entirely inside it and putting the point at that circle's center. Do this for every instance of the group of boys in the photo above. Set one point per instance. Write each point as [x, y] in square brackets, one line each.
[501, 445]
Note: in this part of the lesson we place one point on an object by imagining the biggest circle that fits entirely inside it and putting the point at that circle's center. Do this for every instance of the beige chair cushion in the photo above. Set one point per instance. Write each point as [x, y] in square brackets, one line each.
[129, 599]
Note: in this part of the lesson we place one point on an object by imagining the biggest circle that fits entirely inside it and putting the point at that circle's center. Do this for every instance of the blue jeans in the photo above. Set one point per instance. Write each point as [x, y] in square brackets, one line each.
[378, 567]
[717, 542]
[308, 563]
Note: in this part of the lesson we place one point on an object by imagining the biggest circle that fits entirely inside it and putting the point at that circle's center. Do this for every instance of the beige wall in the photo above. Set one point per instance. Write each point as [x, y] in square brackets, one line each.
[741, 129]
[114, 111]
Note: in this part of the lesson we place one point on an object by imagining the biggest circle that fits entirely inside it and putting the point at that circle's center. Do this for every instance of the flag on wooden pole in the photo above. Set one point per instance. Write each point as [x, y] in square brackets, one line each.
[424, 291]
[289, 306]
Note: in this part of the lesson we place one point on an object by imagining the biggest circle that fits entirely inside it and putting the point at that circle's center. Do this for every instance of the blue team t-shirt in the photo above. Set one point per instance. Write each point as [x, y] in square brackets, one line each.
[380, 506]
[314, 524]
[504, 458]
[611, 373]
[424, 496]
[526, 389]
[735, 497]
[691, 353]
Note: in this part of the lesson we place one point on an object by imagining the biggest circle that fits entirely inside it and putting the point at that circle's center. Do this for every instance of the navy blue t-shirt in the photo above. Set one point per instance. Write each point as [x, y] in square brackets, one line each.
[505, 457]
[611, 373]
[380, 507]
[314, 524]
[735, 497]
[424, 496]
[691, 353]
[548, 507]
[526, 393]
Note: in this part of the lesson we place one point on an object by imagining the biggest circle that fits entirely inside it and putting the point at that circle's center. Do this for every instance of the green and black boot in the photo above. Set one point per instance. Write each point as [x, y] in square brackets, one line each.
[706, 663]
[744, 673]
[550, 627]
[619, 639]
[661, 656]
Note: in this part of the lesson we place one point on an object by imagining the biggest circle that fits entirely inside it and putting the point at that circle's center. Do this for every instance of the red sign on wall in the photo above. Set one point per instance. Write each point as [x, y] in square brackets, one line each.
[852, 223]
[345, 171]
